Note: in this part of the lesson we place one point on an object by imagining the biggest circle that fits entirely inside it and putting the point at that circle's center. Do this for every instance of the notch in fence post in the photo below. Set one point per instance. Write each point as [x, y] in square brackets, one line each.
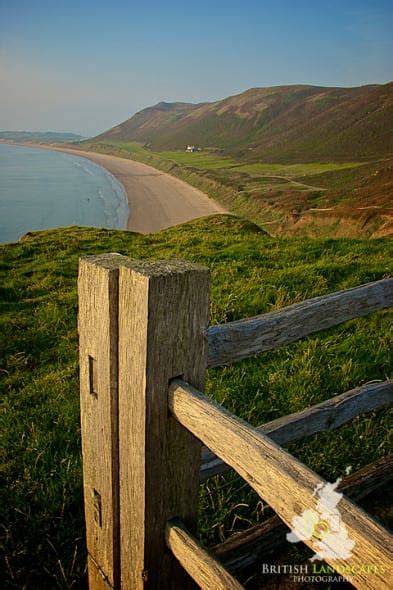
[163, 318]
[98, 360]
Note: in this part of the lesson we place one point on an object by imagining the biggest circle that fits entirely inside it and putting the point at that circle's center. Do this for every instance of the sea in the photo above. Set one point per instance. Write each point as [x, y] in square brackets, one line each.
[41, 189]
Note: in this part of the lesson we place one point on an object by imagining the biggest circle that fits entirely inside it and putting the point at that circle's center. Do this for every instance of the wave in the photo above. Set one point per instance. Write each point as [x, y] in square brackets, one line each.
[114, 200]
[84, 168]
[115, 206]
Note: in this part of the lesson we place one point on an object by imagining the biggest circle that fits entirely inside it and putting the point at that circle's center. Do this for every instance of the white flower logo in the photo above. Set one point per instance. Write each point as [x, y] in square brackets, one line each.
[324, 526]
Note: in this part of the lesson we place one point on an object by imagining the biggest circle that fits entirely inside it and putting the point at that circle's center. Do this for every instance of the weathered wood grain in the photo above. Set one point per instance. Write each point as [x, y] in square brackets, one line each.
[97, 578]
[327, 415]
[163, 315]
[97, 324]
[203, 567]
[246, 548]
[244, 338]
[282, 481]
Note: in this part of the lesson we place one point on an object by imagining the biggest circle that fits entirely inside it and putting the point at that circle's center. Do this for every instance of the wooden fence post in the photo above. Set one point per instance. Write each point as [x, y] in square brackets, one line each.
[163, 318]
[98, 359]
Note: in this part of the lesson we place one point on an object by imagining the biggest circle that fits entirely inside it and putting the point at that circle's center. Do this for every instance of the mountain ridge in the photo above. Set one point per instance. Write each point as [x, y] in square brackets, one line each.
[278, 123]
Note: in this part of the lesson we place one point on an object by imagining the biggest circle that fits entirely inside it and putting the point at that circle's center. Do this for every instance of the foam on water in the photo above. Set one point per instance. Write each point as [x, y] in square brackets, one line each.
[84, 168]
[41, 189]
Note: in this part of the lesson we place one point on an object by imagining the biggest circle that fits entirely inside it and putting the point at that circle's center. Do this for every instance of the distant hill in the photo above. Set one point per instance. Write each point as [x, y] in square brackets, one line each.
[44, 137]
[281, 124]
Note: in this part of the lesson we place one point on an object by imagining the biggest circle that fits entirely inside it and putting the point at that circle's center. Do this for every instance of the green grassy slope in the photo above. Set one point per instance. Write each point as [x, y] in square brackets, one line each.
[279, 124]
[41, 496]
[332, 199]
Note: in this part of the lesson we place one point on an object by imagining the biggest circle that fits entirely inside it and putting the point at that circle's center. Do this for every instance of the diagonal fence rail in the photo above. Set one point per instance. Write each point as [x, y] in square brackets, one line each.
[144, 349]
[327, 415]
[282, 481]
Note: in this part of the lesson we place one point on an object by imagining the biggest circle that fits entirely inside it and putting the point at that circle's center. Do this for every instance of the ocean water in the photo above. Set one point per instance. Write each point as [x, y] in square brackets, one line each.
[40, 189]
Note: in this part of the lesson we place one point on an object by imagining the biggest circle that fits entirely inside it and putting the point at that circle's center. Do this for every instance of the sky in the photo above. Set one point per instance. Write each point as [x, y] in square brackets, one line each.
[84, 66]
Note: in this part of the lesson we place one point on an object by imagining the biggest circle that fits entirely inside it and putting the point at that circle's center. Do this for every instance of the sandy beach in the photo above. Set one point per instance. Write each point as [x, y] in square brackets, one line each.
[156, 200]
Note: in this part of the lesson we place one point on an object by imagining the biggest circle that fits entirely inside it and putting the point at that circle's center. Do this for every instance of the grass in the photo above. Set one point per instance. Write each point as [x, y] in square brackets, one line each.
[203, 160]
[208, 160]
[131, 147]
[41, 496]
[295, 170]
[279, 196]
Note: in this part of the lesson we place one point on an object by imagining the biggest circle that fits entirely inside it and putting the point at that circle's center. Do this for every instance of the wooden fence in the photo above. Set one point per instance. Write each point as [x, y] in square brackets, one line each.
[149, 434]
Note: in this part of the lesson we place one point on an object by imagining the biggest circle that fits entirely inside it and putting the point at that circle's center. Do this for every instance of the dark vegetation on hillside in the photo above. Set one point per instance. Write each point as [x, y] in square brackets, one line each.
[278, 124]
[42, 534]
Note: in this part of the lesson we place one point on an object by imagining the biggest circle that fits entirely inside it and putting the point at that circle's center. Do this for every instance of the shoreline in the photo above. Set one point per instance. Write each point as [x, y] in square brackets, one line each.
[156, 200]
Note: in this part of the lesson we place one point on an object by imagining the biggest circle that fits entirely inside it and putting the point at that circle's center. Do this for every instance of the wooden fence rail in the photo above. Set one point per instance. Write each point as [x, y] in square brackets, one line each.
[244, 338]
[202, 567]
[282, 481]
[327, 415]
[243, 549]
[144, 349]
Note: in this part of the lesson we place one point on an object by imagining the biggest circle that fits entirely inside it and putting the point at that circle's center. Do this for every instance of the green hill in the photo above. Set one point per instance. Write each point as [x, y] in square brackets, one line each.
[277, 124]
[42, 534]
[40, 136]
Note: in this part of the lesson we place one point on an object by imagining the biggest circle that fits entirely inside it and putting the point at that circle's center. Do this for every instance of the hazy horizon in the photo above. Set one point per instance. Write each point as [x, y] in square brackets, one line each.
[85, 68]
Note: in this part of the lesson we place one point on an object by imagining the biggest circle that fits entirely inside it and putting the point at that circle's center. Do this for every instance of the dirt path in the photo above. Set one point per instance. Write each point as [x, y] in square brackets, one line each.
[287, 179]
[343, 206]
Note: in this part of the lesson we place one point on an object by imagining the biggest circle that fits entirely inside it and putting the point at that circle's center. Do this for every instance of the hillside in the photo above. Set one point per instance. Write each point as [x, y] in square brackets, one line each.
[41, 507]
[277, 124]
[330, 199]
[150, 122]
[39, 136]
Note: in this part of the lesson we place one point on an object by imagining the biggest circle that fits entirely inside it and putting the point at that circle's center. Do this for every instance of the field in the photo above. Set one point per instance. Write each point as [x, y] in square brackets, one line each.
[41, 496]
[319, 199]
[210, 160]
[202, 160]
[294, 170]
